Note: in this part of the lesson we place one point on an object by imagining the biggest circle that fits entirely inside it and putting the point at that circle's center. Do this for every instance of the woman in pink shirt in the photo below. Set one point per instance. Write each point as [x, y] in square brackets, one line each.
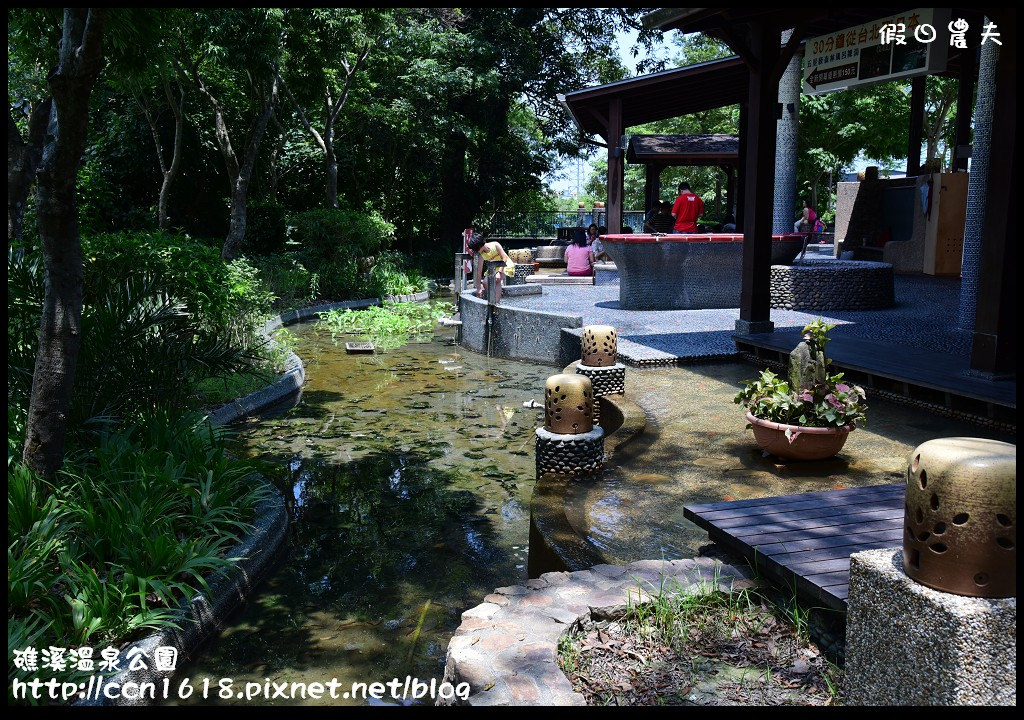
[579, 259]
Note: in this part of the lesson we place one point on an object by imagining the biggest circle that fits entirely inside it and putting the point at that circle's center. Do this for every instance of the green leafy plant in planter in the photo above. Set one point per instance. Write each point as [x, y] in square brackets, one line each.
[810, 415]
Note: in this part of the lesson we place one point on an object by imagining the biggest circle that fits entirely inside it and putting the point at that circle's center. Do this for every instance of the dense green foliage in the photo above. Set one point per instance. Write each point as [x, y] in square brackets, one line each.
[136, 521]
[329, 235]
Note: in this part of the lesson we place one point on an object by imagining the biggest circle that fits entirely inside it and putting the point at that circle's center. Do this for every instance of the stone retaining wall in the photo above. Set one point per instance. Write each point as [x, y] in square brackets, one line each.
[821, 284]
[516, 333]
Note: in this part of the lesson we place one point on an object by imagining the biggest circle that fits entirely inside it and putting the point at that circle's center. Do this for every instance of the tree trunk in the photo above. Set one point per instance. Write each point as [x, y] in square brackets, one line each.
[239, 212]
[331, 162]
[454, 214]
[23, 157]
[79, 64]
[171, 173]
[240, 186]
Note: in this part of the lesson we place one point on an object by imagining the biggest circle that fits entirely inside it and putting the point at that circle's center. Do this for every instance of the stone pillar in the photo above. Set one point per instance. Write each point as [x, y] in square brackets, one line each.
[977, 184]
[907, 644]
[569, 444]
[783, 214]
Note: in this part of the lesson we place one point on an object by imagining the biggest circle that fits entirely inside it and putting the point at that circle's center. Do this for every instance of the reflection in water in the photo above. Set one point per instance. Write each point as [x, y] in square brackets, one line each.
[408, 476]
[696, 449]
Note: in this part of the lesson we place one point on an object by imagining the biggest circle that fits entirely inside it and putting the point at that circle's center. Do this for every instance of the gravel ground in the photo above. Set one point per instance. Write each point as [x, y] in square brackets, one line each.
[925, 314]
[717, 653]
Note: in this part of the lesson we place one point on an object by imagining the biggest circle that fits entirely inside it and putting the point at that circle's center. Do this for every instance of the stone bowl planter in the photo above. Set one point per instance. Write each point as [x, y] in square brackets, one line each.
[808, 443]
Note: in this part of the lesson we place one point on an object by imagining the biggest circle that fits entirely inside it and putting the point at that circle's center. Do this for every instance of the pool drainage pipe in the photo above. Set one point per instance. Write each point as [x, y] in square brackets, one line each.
[492, 301]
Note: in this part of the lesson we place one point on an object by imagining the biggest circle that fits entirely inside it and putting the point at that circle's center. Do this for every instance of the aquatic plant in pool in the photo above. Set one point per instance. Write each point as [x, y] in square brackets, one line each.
[388, 325]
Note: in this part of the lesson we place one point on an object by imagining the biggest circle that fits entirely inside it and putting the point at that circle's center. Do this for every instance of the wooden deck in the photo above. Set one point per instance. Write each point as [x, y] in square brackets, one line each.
[805, 541]
[905, 370]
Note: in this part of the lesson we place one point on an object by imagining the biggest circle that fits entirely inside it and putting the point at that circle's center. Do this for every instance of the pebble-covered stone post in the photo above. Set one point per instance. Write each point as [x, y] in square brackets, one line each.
[523, 260]
[935, 623]
[569, 443]
[598, 362]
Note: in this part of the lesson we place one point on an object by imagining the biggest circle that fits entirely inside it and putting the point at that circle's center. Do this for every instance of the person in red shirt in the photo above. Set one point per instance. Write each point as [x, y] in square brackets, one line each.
[686, 209]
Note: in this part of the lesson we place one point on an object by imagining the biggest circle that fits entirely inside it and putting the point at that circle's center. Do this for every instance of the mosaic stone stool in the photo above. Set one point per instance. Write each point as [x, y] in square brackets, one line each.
[599, 351]
[569, 444]
[522, 272]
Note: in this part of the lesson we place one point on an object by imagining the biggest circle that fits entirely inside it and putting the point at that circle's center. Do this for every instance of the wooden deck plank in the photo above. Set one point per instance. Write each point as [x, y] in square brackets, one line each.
[808, 514]
[803, 497]
[815, 523]
[804, 541]
[892, 525]
[884, 493]
[822, 543]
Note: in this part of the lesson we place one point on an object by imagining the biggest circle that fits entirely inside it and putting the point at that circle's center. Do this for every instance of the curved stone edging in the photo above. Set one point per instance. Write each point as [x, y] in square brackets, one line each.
[295, 374]
[507, 647]
[233, 586]
[517, 333]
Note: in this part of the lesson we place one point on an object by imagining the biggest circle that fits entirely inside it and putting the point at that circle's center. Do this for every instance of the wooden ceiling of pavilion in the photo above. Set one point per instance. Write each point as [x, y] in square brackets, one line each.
[708, 85]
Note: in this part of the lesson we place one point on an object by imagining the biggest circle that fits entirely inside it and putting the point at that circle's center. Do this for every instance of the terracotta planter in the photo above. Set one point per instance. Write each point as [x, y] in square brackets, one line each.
[805, 443]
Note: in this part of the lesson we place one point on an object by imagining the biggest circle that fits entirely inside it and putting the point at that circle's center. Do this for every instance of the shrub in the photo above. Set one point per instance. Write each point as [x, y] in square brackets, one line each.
[287, 278]
[188, 270]
[391, 274]
[128, 529]
[139, 346]
[329, 235]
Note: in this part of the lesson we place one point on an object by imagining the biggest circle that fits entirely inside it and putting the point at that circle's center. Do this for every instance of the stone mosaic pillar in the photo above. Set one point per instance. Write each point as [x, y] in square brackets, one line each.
[783, 212]
[569, 444]
[599, 352]
[977, 184]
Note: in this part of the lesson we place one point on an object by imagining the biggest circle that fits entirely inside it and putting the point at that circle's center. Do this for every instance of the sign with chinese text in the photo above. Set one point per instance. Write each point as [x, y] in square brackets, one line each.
[905, 45]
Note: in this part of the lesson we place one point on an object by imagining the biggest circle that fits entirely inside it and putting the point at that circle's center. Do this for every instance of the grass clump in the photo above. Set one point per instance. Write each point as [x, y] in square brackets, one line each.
[129, 528]
[698, 645]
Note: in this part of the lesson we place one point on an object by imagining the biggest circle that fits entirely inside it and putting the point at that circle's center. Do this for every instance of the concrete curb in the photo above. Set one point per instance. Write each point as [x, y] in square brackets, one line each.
[507, 647]
[205, 615]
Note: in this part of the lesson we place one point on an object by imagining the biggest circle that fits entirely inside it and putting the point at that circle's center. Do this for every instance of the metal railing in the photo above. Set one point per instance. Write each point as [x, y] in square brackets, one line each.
[547, 223]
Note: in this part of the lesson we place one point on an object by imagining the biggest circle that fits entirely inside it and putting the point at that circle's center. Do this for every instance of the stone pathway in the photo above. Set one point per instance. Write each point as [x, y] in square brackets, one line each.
[507, 647]
[925, 315]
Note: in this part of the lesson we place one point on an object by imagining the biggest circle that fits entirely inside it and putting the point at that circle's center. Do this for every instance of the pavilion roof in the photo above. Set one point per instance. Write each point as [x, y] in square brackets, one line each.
[659, 96]
[684, 149]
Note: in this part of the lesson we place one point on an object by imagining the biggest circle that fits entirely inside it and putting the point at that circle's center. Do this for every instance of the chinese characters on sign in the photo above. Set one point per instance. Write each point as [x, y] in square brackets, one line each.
[30, 659]
[912, 43]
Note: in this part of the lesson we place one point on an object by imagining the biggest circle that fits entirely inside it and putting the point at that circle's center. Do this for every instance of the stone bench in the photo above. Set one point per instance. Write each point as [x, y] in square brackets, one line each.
[559, 280]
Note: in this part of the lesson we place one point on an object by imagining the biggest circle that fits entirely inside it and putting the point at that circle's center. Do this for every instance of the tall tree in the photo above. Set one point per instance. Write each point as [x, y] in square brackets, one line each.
[940, 108]
[836, 127]
[33, 35]
[327, 48]
[79, 62]
[234, 54]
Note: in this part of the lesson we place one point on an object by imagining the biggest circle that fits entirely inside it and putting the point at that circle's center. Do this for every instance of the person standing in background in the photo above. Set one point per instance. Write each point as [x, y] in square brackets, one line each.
[686, 209]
